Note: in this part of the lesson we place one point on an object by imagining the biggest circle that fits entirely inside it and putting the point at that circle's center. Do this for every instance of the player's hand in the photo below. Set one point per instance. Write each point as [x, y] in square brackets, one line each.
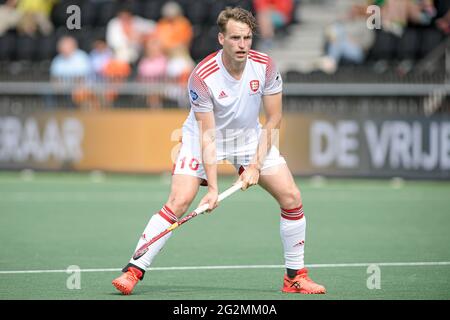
[249, 177]
[212, 199]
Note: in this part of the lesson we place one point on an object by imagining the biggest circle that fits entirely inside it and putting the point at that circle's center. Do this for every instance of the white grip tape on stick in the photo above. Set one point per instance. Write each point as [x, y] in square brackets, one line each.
[222, 196]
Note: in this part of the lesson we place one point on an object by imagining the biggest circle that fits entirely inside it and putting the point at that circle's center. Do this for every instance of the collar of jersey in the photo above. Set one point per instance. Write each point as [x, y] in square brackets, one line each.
[225, 71]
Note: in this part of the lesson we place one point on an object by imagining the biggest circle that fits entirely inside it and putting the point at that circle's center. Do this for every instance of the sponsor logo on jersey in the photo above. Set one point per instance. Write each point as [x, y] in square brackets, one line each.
[222, 95]
[254, 85]
[194, 95]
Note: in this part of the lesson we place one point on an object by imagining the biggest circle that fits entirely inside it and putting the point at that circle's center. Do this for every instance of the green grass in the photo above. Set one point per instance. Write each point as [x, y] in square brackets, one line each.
[56, 220]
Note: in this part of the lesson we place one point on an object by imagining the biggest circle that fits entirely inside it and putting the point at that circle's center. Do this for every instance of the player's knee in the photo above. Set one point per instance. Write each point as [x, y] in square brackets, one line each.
[179, 205]
[292, 199]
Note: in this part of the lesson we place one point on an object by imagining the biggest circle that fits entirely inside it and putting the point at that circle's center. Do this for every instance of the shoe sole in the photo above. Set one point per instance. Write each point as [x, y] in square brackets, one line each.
[303, 292]
[124, 290]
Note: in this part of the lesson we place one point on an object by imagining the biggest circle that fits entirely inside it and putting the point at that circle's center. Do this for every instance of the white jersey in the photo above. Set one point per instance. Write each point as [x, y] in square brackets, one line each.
[236, 103]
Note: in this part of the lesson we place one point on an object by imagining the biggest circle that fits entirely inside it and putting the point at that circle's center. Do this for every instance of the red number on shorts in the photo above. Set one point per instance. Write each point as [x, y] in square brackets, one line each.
[183, 160]
[192, 166]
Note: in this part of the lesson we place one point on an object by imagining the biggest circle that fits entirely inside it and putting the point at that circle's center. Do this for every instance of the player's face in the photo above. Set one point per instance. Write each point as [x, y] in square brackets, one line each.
[237, 40]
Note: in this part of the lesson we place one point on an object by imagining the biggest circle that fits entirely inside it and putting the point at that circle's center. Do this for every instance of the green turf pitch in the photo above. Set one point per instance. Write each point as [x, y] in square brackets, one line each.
[51, 221]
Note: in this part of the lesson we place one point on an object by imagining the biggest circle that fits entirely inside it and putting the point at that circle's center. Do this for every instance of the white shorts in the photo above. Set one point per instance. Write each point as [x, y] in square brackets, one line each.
[189, 158]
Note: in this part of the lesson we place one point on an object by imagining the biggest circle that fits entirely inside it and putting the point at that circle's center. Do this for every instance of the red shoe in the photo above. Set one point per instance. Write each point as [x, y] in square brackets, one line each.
[302, 284]
[127, 281]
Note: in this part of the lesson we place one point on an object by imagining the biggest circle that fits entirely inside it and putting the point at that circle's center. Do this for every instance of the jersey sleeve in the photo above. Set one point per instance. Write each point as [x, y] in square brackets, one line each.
[199, 96]
[274, 83]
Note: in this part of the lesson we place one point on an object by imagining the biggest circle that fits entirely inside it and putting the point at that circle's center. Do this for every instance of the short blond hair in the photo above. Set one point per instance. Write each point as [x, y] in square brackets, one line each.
[237, 14]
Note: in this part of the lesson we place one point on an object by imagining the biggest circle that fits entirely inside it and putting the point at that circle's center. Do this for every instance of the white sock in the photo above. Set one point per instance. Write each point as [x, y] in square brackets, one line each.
[157, 224]
[292, 231]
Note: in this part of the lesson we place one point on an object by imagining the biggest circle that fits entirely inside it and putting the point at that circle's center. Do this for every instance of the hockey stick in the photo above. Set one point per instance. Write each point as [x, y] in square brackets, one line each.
[144, 248]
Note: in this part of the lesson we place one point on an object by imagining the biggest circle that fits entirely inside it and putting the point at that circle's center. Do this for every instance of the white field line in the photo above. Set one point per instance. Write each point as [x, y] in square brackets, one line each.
[76, 196]
[333, 265]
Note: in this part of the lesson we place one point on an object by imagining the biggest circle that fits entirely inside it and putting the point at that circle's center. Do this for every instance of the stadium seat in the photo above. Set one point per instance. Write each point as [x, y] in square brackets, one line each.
[205, 43]
[138, 7]
[106, 11]
[215, 9]
[20, 70]
[442, 6]
[88, 13]
[85, 38]
[245, 4]
[218, 5]
[58, 15]
[194, 49]
[61, 31]
[26, 47]
[383, 47]
[408, 44]
[197, 12]
[7, 46]
[152, 9]
[212, 34]
[430, 38]
[292, 76]
[98, 33]
[3, 70]
[46, 49]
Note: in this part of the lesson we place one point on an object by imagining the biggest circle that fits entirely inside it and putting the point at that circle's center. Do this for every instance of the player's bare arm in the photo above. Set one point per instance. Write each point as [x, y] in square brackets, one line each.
[208, 148]
[273, 111]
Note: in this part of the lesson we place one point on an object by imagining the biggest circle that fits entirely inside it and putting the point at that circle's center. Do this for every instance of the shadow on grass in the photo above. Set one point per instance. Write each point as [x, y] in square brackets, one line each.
[182, 291]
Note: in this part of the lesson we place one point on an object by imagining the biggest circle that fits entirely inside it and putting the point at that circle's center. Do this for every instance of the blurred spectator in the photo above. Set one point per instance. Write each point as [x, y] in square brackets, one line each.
[152, 69]
[100, 55]
[180, 65]
[72, 66]
[126, 34]
[71, 63]
[271, 16]
[9, 16]
[173, 30]
[154, 63]
[348, 39]
[116, 69]
[35, 17]
[116, 73]
[443, 23]
[395, 42]
[396, 14]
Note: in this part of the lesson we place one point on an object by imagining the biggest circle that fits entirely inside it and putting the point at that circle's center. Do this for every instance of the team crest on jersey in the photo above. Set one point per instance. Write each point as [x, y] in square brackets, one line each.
[254, 85]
